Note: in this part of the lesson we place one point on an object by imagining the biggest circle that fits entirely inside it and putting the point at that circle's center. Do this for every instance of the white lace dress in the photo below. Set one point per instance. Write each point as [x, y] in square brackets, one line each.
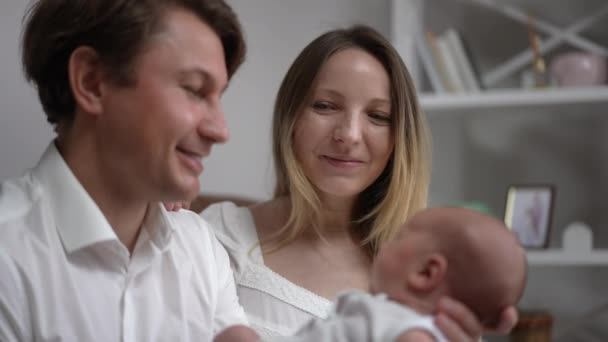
[274, 305]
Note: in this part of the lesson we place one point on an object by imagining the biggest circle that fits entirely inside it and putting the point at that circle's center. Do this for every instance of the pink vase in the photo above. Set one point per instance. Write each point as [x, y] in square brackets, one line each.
[578, 69]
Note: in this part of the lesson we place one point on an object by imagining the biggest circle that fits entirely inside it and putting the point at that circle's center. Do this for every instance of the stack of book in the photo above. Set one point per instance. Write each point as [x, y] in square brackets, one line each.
[447, 63]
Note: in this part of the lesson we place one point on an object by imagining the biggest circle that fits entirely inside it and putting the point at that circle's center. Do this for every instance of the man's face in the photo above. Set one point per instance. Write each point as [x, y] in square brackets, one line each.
[156, 133]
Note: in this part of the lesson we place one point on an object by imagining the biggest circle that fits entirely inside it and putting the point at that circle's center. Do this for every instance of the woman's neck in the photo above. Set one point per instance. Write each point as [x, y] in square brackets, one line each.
[272, 215]
[336, 214]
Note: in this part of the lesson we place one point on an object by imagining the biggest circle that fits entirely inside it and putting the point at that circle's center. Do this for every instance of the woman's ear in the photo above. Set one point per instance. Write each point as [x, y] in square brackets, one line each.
[429, 273]
[85, 75]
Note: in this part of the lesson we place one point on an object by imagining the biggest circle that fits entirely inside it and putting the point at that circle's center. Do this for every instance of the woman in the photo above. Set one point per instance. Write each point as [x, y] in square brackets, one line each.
[352, 163]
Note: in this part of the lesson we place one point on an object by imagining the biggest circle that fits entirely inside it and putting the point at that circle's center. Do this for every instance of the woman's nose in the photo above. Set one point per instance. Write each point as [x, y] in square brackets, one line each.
[348, 129]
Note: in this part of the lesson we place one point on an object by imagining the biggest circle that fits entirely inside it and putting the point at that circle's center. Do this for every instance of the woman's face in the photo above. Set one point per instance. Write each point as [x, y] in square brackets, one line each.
[342, 137]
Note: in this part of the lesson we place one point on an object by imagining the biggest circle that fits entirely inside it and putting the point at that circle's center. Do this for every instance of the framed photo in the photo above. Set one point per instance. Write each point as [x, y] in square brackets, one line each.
[528, 213]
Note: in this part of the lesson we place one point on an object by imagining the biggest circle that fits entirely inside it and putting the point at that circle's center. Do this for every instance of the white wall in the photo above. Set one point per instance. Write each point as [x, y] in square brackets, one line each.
[23, 130]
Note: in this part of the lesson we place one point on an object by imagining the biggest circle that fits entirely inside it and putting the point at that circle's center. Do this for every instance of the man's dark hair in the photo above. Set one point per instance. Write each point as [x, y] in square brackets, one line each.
[117, 30]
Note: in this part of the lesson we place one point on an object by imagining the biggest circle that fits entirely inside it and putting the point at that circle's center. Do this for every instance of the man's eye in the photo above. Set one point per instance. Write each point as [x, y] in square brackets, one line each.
[197, 93]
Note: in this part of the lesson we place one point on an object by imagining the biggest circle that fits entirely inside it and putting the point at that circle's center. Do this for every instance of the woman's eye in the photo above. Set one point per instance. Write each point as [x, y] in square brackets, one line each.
[322, 106]
[381, 118]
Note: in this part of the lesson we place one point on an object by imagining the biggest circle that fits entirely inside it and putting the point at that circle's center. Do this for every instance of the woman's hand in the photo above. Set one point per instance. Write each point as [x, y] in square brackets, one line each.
[459, 324]
[176, 206]
[508, 319]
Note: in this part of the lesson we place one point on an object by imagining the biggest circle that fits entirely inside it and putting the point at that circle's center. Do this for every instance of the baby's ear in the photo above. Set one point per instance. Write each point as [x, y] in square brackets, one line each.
[430, 272]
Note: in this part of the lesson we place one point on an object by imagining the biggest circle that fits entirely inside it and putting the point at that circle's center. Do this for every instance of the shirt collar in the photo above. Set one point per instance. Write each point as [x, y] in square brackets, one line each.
[79, 220]
[159, 225]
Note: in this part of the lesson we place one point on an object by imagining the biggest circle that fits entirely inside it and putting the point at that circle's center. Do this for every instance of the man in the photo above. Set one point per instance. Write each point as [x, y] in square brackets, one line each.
[87, 252]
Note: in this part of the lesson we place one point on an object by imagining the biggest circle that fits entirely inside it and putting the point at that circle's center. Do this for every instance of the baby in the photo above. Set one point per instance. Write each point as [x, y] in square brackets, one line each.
[454, 252]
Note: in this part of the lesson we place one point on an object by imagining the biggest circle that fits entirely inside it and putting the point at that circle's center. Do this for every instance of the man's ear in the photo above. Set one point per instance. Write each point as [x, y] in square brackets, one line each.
[85, 74]
[429, 274]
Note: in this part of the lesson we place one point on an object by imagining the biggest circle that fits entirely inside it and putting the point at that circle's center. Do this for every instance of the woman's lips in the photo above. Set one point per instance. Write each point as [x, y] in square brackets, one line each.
[342, 162]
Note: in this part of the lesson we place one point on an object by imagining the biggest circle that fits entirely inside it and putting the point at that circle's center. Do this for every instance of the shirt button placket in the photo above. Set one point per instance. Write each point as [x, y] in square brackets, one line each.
[128, 311]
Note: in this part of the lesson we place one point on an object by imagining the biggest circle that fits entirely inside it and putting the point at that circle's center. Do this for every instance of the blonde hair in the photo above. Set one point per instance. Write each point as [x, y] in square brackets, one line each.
[399, 191]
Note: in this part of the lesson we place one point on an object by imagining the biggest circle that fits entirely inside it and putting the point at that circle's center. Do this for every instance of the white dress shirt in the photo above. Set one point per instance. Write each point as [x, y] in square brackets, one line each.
[65, 276]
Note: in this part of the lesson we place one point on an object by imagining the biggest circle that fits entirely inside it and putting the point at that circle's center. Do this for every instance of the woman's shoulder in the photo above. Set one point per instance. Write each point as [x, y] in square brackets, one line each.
[227, 216]
[221, 211]
[269, 216]
[233, 226]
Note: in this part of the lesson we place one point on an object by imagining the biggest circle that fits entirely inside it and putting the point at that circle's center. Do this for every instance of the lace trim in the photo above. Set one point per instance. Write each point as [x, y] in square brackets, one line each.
[264, 279]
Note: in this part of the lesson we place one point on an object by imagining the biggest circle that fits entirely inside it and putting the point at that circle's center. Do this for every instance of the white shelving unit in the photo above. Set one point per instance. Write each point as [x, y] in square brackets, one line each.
[407, 25]
[456, 115]
[515, 98]
[577, 250]
[558, 257]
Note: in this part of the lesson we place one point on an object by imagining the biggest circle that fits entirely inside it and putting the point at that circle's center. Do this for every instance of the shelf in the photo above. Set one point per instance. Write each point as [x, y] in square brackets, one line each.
[557, 36]
[558, 257]
[514, 98]
[500, 59]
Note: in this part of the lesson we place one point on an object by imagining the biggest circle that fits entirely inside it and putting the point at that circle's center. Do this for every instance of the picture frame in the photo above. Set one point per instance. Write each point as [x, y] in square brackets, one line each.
[529, 213]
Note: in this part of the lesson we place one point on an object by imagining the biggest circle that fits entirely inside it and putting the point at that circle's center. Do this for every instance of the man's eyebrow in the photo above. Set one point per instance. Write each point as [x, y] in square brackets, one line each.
[196, 71]
[204, 74]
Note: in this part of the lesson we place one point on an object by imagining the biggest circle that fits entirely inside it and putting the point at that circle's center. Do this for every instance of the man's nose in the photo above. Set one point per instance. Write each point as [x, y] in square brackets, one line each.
[213, 127]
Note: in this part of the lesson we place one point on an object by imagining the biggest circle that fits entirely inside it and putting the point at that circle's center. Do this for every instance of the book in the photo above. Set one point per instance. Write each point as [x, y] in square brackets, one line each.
[439, 63]
[462, 61]
[448, 58]
[428, 56]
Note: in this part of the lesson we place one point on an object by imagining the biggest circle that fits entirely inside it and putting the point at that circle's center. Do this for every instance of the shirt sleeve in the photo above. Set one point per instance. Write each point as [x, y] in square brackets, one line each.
[228, 310]
[234, 229]
[12, 304]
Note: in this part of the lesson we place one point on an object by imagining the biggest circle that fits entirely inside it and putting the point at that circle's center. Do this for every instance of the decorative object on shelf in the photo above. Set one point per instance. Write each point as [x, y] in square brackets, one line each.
[479, 206]
[554, 36]
[528, 213]
[533, 326]
[577, 250]
[539, 67]
[528, 79]
[578, 69]
[577, 238]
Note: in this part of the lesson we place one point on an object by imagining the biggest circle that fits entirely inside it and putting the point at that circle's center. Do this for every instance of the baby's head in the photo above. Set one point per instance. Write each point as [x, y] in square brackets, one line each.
[459, 252]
